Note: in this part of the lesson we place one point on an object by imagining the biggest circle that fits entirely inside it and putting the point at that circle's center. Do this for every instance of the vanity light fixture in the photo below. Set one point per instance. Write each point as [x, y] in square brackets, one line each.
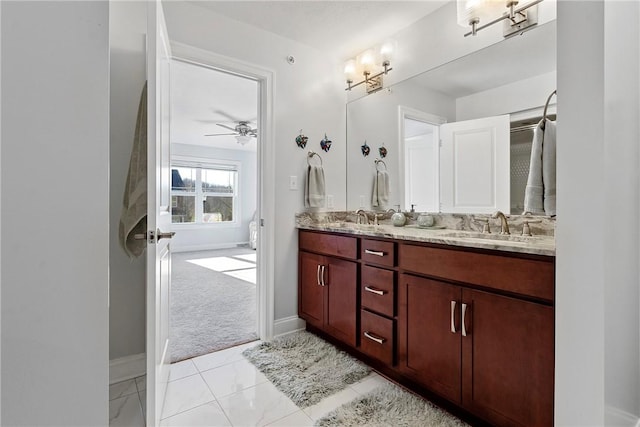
[475, 13]
[366, 64]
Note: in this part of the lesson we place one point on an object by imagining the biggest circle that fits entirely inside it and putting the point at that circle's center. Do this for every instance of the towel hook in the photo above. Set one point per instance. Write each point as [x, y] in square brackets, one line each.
[311, 154]
[546, 106]
[378, 161]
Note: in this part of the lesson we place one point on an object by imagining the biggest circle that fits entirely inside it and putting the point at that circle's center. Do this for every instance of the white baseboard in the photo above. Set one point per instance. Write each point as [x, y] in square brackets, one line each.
[288, 325]
[127, 367]
[208, 247]
[618, 417]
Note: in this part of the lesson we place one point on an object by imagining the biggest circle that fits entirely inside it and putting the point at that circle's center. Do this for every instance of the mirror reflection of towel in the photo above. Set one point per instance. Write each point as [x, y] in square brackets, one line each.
[314, 191]
[540, 193]
[380, 189]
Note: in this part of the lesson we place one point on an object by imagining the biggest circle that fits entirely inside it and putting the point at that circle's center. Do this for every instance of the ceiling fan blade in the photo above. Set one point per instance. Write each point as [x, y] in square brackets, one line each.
[228, 116]
[226, 127]
[221, 134]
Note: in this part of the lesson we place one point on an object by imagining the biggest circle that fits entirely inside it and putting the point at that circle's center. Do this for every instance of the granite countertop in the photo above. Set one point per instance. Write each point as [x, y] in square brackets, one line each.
[539, 244]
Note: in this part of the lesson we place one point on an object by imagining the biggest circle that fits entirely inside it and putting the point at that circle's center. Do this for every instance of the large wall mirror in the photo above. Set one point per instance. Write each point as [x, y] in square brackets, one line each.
[457, 137]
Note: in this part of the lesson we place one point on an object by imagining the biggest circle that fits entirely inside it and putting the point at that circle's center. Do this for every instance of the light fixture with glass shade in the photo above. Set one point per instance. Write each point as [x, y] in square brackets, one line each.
[243, 139]
[366, 64]
[480, 14]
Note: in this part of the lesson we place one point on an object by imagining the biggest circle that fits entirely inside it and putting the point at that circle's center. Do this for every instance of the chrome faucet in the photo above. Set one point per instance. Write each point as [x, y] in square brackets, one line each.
[504, 225]
[360, 212]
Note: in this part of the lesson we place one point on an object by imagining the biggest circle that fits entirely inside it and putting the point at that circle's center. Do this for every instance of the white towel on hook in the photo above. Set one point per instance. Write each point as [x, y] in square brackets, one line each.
[380, 189]
[540, 193]
[314, 189]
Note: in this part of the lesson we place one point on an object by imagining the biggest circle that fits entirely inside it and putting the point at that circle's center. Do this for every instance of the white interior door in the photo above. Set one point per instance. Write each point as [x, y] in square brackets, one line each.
[159, 214]
[475, 166]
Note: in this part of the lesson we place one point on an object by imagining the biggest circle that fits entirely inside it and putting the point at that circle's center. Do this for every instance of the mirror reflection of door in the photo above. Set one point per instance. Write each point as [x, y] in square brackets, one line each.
[421, 165]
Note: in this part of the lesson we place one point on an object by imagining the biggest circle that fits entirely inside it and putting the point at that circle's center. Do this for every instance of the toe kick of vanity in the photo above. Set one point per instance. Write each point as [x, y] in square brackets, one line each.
[473, 326]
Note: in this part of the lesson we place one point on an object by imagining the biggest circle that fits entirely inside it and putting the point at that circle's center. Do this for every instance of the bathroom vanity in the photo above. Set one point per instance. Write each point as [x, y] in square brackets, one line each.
[467, 318]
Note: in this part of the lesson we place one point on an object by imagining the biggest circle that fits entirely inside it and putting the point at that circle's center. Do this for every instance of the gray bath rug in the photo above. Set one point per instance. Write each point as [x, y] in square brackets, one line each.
[305, 367]
[389, 406]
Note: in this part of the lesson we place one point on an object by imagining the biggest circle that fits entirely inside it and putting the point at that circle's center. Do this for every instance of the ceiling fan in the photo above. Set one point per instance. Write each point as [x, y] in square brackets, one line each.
[242, 131]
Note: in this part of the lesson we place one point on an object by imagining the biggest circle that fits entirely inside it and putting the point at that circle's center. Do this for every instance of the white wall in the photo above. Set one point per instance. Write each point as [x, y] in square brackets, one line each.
[522, 95]
[55, 186]
[127, 30]
[383, 106]
[193, 237]
[597, 326]
[621, 166]
[309, 95]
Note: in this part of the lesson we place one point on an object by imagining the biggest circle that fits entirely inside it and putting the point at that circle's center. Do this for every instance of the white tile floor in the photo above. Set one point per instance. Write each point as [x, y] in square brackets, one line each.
[224, 389]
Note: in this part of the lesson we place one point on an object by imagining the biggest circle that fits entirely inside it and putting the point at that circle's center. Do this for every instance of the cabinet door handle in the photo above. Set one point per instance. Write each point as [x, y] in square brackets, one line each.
[374, 338]
[464, 315]
[318, 275]
[376, 253]
[322, 276]
[374, 290]
[453, 320]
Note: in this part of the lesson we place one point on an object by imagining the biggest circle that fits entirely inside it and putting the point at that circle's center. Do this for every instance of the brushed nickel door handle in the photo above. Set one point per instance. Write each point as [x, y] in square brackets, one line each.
[318, 275]
[453, 320]
[374, 290]
[376, 253]
[167, 235]
[374, 338]
[322, 276]
[464, 315]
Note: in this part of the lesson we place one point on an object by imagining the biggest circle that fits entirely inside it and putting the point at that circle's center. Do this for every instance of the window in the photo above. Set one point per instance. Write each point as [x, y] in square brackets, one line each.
[203, 194]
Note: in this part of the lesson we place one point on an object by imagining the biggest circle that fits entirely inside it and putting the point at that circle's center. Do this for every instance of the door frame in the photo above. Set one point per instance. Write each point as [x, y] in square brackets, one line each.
[266, 170]
[405, 112]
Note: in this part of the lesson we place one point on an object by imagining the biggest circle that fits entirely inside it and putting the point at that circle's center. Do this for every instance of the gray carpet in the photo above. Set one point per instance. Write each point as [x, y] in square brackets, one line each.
[389, 406]
[210, 310]
[305, 367]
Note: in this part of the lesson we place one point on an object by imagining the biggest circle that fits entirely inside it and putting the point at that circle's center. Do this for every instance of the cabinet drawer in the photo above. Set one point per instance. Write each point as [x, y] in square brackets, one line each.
[329, 244]
[378, 252]
[376, 337]
[377, 288]
[531, 277]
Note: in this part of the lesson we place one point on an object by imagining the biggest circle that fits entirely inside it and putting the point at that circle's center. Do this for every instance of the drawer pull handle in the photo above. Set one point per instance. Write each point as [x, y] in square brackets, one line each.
[374, 291]
[318, 275]
[453, 320]
[322, 276]
[374, 338]
[464, 314]
[376, 253]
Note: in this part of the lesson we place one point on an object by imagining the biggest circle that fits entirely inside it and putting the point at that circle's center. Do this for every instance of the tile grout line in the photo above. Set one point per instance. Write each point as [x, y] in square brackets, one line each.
[215, 398]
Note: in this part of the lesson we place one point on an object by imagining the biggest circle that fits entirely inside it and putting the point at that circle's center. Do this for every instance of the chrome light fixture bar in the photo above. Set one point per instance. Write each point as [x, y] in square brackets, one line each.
[516, 19]
[365, 63]
[374, 83]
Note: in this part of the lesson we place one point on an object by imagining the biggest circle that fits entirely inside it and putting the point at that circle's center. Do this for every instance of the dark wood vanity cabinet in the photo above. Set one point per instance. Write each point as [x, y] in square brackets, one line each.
[478, 329]
[328, 285]
[475, 327]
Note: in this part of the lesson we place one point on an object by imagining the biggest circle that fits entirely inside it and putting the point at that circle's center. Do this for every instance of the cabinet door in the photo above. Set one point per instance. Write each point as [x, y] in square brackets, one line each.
[508, 359]
[429, 340]
[311, 295]
[341, 280]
